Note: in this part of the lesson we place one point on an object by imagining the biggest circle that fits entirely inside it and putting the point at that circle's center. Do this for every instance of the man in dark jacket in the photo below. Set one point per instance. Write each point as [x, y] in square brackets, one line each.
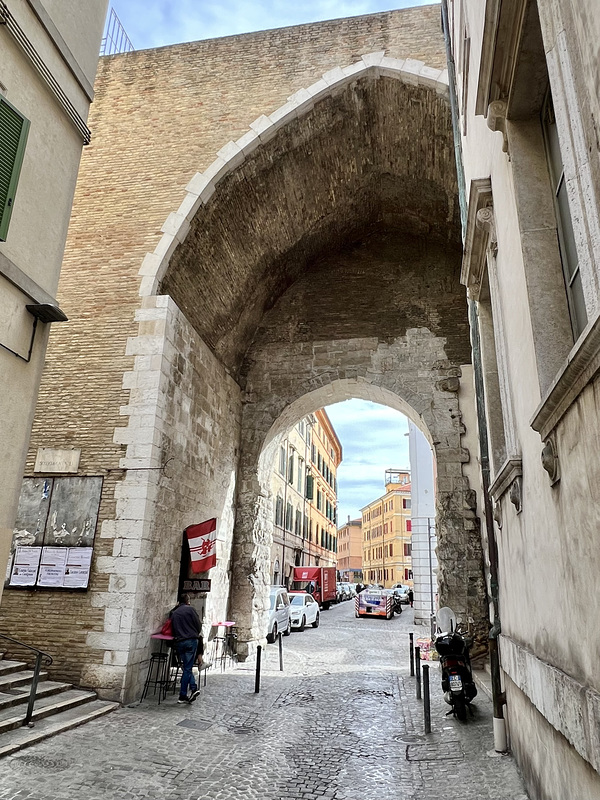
[187, 631]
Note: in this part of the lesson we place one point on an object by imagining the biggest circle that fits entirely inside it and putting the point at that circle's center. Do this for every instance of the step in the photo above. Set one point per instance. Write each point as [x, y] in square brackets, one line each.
[20, 678]
[12, 741]
[15, 697]
[12, 718]
[7, 667]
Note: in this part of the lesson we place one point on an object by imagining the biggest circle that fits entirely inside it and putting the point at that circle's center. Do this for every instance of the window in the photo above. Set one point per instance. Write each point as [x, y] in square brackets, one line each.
[13, 134]
[409, 525]
[313, 453]
[391, 548]
[298, 523]
[407, 549]
[291, 469]
[566, 236]
[310, 487]
[282, 460]
[289, 517]
[405, 502]
[319, 500]
[279, 511]
[300, 474]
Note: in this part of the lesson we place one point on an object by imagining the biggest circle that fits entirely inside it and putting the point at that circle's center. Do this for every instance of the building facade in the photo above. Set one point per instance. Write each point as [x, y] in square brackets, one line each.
[304, 489]
[528, 104]
[350, 551]
[387, 533]
[47, 69]
[424, 541]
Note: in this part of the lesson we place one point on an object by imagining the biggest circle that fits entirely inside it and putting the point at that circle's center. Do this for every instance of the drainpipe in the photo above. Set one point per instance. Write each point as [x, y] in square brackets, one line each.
[498, 697]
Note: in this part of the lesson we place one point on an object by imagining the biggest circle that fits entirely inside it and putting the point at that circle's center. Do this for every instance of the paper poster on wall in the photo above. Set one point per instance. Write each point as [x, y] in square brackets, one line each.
[52, 566]
[25, 566]
[77, 567]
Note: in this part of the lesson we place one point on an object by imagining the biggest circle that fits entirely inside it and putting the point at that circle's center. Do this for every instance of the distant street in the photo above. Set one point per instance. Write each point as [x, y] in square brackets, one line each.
[341, 722]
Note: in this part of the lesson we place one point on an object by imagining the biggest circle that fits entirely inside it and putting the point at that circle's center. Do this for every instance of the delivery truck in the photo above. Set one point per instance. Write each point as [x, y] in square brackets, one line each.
[318, 581]
[374, 602]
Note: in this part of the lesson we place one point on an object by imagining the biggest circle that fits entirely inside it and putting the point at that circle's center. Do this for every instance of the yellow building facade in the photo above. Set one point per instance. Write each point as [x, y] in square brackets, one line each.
[386, 533]
[304, 489]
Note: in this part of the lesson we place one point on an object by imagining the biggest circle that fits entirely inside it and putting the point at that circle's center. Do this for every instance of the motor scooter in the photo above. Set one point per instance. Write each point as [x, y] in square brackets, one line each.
[453, 645]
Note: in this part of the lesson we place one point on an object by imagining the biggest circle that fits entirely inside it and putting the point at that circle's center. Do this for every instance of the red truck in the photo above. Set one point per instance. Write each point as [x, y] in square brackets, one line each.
[318, 581]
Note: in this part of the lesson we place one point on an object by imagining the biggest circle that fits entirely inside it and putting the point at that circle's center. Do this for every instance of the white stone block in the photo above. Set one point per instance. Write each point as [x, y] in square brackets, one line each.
[116, 658]
[166, 246]
[150, 264]
[355, 70]
[283, 115]
[429, 76]
[112, 620]
[373, 59]
[108, 529]
[248, 142]
[319, 89]
[144, 345]
[302, 100]
[207, 192]
[172, 223]
[198, 183]
[189, 205]
[411, 70]
[147, 285]
[108, 641]
[233, 154]
[261, 124]
[217, 170]
[333, 76]
[393, 65]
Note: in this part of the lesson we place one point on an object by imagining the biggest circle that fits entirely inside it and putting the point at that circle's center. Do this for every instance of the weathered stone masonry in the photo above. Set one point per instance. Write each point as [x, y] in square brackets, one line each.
[239, 320]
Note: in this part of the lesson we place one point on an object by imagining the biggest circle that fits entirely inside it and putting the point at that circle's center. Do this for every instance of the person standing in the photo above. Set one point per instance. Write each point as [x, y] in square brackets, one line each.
[187, 631]
[411, 597]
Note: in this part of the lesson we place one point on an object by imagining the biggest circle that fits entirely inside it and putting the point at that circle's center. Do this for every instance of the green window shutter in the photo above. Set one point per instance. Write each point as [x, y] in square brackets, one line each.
[13, 136]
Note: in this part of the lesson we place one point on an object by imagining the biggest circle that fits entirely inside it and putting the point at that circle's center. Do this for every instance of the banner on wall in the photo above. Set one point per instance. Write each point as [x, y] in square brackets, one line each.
[202, 540]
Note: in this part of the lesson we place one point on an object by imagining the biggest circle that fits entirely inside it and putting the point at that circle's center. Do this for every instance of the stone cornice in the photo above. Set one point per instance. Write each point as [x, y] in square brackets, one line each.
[480, 227]
[581, 366]
[507, 474]
[502, 31]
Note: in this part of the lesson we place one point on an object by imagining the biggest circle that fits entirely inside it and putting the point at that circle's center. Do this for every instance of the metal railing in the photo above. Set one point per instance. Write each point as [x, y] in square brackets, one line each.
[40, 656]
[115, 40]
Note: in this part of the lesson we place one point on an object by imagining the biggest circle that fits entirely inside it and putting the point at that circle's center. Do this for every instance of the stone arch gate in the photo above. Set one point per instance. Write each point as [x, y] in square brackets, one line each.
[316, 259]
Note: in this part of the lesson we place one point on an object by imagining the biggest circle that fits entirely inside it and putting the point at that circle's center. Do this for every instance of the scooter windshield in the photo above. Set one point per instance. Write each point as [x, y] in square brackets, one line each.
[445, 620]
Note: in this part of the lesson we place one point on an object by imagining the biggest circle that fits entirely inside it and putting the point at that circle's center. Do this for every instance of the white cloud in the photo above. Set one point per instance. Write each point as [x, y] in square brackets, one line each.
[153, 23]
[373, 440]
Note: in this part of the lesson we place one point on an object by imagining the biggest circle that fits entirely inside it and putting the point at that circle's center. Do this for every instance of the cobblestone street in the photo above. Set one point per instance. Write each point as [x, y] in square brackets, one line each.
[341, 723]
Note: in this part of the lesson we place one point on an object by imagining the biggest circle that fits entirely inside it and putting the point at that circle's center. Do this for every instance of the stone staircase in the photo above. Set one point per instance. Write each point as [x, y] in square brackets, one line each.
[58, 707]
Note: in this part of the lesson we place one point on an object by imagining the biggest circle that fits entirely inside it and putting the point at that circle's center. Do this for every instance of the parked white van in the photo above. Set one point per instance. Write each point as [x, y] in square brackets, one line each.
[279, 613]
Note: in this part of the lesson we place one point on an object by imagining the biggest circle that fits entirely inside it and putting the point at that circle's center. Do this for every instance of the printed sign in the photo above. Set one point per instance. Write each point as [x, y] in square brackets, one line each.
[25, 566]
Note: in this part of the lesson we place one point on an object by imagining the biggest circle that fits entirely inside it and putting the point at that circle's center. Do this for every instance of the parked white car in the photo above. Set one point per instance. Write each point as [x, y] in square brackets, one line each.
[304, 610]
[279, 613]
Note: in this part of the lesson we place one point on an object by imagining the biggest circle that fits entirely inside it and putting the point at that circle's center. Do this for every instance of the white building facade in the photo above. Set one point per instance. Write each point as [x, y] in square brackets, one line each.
[527, 110]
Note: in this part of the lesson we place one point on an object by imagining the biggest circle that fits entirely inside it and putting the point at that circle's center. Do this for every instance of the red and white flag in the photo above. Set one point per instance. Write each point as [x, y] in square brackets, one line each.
[202, 540]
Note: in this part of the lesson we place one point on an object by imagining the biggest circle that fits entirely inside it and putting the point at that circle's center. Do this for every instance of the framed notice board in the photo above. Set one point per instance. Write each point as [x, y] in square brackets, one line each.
[53, 538]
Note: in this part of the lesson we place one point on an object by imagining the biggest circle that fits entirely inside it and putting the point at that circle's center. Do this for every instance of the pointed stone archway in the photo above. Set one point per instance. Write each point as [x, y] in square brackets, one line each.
[318, 257]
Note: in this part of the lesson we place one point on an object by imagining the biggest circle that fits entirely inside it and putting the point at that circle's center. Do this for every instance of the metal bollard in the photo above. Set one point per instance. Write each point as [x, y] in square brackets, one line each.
[418, 670]
[426, 700]
[257, 675]
[411, 636]
[280, 637]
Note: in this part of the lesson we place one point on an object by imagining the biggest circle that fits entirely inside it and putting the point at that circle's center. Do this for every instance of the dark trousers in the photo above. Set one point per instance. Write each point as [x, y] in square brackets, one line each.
[186, 649]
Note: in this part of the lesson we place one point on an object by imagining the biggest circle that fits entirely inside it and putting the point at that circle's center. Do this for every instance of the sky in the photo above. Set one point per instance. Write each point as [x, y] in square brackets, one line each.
[153, 23]
[373, 440]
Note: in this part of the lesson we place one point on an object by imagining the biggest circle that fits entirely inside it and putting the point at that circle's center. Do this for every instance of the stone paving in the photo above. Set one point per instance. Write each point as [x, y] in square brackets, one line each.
[340, 723]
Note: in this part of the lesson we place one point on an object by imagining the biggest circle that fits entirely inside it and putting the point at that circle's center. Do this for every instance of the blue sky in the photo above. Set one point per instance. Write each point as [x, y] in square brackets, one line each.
[153, 23]
[373, 440]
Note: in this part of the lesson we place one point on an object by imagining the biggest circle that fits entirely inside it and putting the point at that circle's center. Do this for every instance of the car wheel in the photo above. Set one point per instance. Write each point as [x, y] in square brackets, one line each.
[271, 637]
[302, 624]
[288, 630]
[316, 622]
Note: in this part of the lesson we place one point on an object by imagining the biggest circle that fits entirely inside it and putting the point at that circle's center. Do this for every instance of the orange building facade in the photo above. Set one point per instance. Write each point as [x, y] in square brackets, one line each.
[387, 533]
